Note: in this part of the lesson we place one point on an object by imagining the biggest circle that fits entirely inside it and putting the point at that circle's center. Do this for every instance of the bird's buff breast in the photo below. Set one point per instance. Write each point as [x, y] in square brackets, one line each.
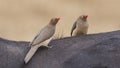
[81, 28]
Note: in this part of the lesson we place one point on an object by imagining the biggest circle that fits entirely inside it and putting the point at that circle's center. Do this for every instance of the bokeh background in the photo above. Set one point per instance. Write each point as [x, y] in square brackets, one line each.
[22, 19]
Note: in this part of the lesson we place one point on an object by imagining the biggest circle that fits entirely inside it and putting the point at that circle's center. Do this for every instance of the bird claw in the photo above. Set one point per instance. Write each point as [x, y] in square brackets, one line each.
[46, 46]
[49, 46]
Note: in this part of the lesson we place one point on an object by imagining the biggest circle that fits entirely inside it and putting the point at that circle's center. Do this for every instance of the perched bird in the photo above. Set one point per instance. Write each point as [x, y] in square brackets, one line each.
[80, 26]
[45, 34]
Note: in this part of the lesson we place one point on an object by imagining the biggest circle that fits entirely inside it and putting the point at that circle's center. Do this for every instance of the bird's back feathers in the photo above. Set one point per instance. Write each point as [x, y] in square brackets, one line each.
[43, 35]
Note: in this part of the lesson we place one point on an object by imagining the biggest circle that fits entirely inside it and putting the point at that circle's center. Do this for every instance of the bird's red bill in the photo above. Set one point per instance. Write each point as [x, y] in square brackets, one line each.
[57, 18]
[85, 16]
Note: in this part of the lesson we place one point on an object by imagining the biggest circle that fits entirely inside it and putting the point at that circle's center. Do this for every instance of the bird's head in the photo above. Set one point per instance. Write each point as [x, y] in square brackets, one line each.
[54, 21]
[83, 17]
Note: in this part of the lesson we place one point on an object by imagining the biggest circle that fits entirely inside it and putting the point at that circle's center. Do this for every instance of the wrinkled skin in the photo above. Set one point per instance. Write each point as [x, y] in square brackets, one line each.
[85, 51]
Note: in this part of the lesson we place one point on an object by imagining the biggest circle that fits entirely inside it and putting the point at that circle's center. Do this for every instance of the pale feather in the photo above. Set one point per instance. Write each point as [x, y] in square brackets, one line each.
[30, 53]
[81, 27]
[42, 36]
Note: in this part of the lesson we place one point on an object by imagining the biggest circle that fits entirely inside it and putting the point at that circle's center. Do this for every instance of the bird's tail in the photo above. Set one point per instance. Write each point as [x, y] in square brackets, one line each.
[30, 54]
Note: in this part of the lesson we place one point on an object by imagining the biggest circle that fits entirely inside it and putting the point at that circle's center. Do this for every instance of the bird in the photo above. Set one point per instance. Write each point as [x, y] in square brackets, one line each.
[43, 35]
[80, 26]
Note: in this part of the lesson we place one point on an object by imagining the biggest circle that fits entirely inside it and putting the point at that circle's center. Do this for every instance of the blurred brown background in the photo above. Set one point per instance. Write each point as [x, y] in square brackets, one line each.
[22, 19]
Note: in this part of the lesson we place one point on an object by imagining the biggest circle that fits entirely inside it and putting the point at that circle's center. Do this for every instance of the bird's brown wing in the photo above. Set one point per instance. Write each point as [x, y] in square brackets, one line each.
[43, 35]
[31, 43]
[73, 27]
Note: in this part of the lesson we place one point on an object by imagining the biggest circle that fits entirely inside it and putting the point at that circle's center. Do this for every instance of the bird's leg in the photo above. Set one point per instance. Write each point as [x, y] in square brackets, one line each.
[49, 40]
[46, 43]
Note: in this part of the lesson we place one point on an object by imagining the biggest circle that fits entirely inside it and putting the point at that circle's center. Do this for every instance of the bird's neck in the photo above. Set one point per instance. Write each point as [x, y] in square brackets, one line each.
[51, 25]
[82, 21]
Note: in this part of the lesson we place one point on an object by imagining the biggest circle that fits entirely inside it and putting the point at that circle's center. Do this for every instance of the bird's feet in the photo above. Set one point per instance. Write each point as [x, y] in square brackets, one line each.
[47, 46]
